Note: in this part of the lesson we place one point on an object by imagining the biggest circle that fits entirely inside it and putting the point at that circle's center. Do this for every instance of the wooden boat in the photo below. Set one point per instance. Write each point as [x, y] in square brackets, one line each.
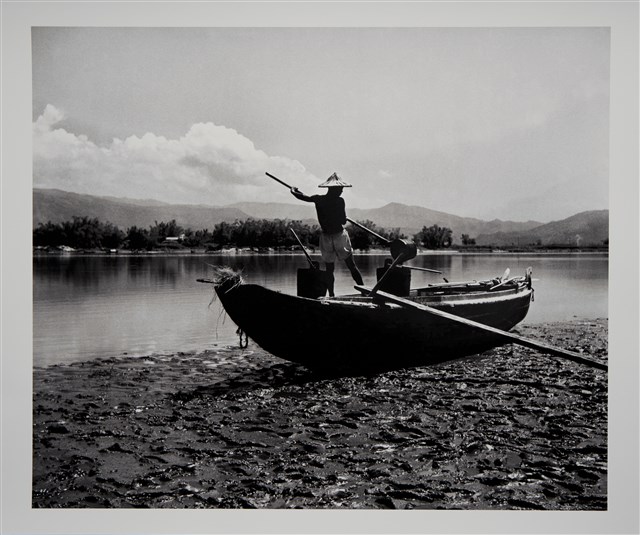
[390, 325]
[363, 333]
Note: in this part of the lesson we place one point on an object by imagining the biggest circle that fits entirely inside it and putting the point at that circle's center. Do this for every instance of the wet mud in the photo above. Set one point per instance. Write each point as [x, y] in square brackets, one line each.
[232, 428]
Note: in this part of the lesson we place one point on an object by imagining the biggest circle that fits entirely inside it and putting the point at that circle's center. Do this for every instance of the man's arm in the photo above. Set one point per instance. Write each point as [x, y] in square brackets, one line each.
[299, 195]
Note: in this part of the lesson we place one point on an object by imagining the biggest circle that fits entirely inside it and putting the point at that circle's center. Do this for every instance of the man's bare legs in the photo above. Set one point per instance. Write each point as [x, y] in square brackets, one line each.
[355, 273]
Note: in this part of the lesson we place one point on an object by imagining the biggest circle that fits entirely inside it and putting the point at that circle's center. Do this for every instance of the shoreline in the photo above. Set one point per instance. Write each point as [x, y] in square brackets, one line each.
[249, 252]
[231, 428]
[228, 346]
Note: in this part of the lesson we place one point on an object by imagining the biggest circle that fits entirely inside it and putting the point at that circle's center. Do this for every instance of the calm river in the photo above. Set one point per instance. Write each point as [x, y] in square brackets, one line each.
[95, 306]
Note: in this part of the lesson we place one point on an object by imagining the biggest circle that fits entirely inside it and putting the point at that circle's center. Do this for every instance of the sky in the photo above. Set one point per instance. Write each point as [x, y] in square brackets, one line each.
[492, 123]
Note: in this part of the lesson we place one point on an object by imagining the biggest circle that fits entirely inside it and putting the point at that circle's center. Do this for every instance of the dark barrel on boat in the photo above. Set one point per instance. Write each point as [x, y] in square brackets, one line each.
[312, 282]
[396, 282]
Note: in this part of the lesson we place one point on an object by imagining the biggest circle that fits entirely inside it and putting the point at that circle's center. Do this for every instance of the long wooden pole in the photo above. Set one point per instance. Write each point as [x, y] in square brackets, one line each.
[507, 336]
[420, 269]
[382, 238]
[278, 180]
[313, 266]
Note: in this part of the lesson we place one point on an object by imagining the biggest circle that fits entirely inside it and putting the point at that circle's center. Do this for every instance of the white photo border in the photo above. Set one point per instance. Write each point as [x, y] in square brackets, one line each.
[16, 374]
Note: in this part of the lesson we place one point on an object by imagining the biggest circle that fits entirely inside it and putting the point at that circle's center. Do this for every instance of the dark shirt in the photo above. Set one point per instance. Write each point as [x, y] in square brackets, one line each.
[331, 213]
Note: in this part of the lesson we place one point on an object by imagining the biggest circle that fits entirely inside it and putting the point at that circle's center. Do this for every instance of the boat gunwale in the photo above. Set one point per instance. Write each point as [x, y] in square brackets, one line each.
[476, 297]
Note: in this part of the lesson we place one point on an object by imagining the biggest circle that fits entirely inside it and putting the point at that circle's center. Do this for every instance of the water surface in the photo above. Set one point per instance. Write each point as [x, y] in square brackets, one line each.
[95, 306]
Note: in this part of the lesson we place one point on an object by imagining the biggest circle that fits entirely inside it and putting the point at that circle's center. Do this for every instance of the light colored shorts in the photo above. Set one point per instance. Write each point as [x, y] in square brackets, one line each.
[334, 246]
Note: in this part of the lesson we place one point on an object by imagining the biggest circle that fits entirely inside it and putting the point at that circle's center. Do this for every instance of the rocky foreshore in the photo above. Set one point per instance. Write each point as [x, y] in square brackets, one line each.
[232, 428]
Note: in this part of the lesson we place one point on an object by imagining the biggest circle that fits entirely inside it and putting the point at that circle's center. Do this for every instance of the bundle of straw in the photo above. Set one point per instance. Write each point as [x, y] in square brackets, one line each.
[226, 276]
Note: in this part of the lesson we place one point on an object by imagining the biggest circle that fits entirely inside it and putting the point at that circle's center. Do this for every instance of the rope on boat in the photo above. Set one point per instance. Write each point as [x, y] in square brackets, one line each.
[243, 336]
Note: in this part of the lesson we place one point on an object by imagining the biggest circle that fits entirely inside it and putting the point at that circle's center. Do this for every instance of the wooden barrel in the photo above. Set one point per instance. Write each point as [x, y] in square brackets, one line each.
[397, 282]
[312, 283]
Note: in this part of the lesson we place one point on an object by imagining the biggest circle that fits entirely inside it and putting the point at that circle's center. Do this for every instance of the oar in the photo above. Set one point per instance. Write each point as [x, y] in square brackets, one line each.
[311, 262]
[398, 247]
[507, 336]
[382, 238]
[421, 269]
[405, 248]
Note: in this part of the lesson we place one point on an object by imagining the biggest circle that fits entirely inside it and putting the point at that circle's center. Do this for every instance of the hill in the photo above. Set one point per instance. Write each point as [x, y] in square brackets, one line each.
[587, 228]
[58, 206]
[409, 219]
[301, 211]
[583, 229]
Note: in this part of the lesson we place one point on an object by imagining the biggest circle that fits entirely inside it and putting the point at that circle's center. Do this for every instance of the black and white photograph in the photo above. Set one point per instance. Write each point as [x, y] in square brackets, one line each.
[324, 267]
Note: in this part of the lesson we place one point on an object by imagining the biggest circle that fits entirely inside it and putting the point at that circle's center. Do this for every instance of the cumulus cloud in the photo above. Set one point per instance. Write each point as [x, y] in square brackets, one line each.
[209, 164]
[49, 117]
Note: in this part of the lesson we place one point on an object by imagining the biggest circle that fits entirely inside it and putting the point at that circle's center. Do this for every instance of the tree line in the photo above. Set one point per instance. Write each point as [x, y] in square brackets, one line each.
[91, 233]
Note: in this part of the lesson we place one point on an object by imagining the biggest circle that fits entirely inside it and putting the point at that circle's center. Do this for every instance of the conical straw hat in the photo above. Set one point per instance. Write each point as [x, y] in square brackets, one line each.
[334, 181]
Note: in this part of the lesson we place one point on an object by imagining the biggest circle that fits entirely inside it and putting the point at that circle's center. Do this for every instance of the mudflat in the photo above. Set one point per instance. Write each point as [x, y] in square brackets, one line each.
[234, 428]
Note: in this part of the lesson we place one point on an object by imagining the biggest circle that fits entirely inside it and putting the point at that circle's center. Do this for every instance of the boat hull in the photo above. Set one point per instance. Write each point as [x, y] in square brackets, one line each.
[357, 334]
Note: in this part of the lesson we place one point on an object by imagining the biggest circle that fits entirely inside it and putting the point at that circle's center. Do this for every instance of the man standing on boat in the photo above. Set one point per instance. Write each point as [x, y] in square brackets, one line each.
[334, 240]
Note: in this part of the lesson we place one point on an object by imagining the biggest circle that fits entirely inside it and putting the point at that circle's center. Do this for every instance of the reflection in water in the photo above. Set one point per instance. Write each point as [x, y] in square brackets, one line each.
[99, 271]
[88, 306]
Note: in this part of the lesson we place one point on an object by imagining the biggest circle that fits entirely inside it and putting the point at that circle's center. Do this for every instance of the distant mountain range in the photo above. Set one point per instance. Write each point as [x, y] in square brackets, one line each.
[409, 219]
[586, 228]
[58, 206]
